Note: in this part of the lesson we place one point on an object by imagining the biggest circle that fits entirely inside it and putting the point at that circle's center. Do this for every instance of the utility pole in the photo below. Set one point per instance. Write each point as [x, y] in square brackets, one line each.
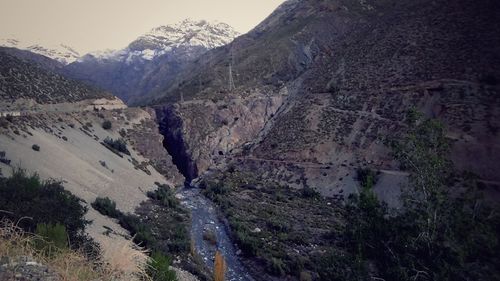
[231, 81]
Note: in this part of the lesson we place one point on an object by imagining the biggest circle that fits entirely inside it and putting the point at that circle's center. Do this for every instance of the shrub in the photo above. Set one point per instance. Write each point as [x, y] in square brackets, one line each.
[367, 177]
[4, 123]
[35, 147]
[44, 203]
[3, 159]
[308, 192]
[119, 145]
[435, 236]
[276, 267]
[106, 125]
[54, 238]
[106, 207]
[141, 232]
[67, 264]
[159, 268]
[165, 195]
[214, 189]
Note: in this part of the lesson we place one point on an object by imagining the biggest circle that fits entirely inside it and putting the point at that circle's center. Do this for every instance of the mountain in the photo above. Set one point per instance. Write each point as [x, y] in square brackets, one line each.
[60, 52]
[152, 60]
[33, 58]
[316, 84]
[24, 80]
[311, 98]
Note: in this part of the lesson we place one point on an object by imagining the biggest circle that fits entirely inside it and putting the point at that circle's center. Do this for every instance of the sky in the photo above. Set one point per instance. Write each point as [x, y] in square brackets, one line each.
[90, 25]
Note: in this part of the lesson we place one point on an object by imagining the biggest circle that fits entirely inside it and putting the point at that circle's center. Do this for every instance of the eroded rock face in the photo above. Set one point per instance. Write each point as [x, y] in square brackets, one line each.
[149, 143]
[353, 70]
[200, 133]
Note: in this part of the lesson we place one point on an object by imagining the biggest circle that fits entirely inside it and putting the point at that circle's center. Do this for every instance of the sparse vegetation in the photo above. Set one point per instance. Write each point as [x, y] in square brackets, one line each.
[106, 207]
[4, 123]
[165, 195]
[65, 262]
[443, 232]
[107, 125]
[3, 158]
[43, 202]
[117, 145]
[283, 220]
[159, 268]
[55, 238]
[174, 237]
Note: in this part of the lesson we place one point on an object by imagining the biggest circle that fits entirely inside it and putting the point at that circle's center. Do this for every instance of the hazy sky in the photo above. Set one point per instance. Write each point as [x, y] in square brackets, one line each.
[90, 25]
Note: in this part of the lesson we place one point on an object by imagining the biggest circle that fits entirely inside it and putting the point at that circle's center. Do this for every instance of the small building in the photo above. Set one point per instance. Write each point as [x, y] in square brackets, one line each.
[10, 113]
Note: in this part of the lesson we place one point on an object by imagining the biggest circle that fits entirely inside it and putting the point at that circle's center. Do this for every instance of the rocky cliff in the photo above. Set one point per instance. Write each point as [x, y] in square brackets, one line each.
[350, 70]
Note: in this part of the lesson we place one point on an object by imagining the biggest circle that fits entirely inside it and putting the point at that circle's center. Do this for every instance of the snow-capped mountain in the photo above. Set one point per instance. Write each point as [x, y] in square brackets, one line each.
[61, 52]
[164, 39]
[153, 60]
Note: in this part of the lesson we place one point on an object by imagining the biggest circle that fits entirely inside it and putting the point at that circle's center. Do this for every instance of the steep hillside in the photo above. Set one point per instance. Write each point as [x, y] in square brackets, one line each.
[30, 57]
[25, 80]
[151, 61]
[71, 148]
[309, 98]
[337, 78]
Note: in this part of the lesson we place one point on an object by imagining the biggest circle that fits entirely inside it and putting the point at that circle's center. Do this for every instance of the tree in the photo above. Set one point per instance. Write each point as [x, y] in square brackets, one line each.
[444, 230]
[219, 267]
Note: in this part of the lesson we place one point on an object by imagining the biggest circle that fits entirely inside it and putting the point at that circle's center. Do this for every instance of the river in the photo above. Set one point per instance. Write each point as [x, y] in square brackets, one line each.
[204, 216]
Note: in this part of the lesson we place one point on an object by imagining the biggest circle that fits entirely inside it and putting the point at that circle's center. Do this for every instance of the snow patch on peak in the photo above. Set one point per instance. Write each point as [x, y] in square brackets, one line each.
[60, 52]
[166, 38]
[188, 33]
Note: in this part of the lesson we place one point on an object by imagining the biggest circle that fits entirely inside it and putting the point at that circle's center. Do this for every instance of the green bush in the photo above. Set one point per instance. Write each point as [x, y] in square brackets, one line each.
[26, 196]
[106, 125]
[165, 195]
[118, 144]
[213, 190]
[53, 238]
[141, 231]
[367, 177]
[159, 268]
[106, 207]
[435, 236]
[308, 192]
[276, 267]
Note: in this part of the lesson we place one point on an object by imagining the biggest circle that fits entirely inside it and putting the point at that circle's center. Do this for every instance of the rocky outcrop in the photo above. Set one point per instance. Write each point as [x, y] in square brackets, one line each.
[149, 143]
[25, 268]
[202, 133]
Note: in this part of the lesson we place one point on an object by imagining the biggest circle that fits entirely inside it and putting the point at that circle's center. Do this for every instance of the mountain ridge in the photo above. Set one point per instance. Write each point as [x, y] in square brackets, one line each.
[152, 60]
[59, 52]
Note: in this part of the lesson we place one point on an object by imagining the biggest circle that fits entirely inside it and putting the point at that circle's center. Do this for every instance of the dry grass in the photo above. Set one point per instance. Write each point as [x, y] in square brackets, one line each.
[125, 262]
